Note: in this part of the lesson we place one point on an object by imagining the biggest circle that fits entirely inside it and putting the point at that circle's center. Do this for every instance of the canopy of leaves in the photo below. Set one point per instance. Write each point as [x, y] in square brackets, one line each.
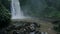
[4, 16]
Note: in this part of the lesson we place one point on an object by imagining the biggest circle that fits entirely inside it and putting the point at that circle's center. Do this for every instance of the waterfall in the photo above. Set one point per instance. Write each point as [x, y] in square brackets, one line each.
[16, 10]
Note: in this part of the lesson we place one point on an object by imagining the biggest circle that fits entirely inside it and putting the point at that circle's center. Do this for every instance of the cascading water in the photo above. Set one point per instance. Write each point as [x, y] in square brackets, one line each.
[16, 10]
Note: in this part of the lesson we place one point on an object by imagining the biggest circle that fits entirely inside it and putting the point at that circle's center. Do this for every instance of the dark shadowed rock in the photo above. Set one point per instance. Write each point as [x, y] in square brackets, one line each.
[37, 32]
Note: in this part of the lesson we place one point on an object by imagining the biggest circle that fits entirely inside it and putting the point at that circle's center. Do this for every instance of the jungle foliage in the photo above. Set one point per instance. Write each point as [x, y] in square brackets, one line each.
[4, 15]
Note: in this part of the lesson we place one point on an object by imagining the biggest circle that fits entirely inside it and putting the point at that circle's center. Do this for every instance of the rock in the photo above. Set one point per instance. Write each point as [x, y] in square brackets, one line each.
[27, 24]
[37, 32]
[14, 32]
[3, 32]
[32, 27]
[12, 27]
[32, 32]
[36, 25]
[25, 28]
[55, 22]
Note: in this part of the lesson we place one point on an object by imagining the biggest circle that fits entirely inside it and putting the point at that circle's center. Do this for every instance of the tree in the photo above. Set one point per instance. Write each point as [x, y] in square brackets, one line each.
[57, 28]
[4, 17]
[6, 3]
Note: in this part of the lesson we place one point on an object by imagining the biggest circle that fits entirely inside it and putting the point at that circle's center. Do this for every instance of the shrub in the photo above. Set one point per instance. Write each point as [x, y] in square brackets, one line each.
[4, 17]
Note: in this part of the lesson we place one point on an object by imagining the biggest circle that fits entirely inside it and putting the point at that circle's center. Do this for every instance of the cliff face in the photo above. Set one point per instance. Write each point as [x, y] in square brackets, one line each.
[37, 8]
[41, 8]
[33, 7]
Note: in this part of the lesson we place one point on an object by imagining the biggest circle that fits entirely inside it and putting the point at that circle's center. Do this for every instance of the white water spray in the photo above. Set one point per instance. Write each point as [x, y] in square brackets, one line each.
[16, 10]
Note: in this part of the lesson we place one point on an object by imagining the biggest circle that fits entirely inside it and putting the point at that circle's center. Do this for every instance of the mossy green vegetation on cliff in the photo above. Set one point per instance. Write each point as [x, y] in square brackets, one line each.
[4, 15]
[41, 8]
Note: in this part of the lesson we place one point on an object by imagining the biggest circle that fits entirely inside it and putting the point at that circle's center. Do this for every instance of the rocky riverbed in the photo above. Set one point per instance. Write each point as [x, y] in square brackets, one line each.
[23, 28]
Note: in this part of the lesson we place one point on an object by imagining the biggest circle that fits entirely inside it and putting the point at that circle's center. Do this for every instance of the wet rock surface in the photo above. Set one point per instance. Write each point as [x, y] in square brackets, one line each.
[25, 28]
